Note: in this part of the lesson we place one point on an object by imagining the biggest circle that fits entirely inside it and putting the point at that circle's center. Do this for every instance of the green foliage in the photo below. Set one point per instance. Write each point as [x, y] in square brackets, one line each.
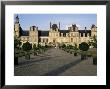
[27, 56]
[93, 42]
[46, 46]
[34, 47]
[75, 47]
[39, 46]
[69, 47]
[17, 43]
[27, 46]
[63, 46]
[83, 46]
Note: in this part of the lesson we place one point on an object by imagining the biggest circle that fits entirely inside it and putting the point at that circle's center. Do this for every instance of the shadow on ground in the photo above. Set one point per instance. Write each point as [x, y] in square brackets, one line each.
[62, 69]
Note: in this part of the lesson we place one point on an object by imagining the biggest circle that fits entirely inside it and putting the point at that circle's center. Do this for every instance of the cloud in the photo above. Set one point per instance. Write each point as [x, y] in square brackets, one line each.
[68, 26]
[79, 26]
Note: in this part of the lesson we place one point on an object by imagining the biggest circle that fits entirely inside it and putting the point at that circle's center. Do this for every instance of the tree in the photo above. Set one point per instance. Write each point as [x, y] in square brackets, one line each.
[93, 42]
[27, 47]
[75, 49]
[34, 48]
[84, 47]
[63, 46]
[39, 46]
[17, 44]
[70, 47]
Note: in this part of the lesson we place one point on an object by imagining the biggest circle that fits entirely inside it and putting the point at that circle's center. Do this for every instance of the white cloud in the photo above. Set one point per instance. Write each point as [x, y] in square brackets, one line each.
[66, 27]
[79, 26]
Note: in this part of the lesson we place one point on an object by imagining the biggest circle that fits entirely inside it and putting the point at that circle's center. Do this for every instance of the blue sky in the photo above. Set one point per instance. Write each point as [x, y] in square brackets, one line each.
[42, 21]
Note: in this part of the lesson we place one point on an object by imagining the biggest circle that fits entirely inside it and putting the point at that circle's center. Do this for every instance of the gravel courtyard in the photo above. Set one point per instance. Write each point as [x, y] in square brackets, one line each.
[55, 62]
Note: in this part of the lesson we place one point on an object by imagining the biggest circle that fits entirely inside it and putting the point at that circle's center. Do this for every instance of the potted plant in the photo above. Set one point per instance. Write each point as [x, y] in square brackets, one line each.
[84, 47]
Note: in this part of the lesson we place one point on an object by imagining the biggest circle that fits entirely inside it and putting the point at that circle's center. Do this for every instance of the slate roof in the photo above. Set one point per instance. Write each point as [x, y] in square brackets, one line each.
[64, 32]
[85, 31]
[46, 33]
[25, 33]
[43, 33]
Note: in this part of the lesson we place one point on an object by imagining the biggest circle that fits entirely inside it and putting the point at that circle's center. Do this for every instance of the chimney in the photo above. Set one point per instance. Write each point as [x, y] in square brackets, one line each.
[59, 25]
[50, 24]
[85, 28]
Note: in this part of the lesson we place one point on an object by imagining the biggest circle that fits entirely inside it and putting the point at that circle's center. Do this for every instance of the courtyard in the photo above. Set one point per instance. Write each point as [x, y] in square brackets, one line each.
[55, 62]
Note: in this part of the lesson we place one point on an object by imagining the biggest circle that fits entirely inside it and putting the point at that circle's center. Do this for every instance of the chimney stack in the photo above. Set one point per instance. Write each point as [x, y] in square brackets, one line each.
[59, 25]
[50, 24]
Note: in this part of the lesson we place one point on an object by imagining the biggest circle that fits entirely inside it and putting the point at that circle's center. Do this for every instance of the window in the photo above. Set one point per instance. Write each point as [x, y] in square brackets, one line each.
[56, 34]
[46, 40]
[71, 39]
[43, 40]
[71, 34]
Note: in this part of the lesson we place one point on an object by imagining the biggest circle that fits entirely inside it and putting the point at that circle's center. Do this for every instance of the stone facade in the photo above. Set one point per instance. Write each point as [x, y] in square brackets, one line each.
[54, 36]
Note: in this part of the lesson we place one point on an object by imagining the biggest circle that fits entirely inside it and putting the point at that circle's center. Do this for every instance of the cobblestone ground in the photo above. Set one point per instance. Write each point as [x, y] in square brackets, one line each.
[55, 62]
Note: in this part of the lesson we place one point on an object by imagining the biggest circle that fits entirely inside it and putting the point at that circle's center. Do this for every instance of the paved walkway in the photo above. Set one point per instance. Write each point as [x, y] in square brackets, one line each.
[55, 62]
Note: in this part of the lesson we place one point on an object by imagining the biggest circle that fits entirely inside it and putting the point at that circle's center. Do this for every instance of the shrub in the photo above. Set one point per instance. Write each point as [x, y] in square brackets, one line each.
[93, 42]
[70, 47]
[27, 47]
[63, 46]
[83, 46]
[17, 43]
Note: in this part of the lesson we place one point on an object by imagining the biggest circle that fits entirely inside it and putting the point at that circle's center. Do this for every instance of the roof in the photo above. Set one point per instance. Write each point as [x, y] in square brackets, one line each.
[25, 33]
[85, 31]
[64, 32]
[46, 33]
[43, 33]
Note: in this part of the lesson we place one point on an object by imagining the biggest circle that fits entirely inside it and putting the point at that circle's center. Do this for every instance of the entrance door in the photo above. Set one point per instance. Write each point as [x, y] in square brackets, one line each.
[54, 42]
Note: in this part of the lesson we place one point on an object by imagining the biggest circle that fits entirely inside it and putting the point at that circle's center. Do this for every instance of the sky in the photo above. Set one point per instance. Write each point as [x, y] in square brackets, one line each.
[42, 21]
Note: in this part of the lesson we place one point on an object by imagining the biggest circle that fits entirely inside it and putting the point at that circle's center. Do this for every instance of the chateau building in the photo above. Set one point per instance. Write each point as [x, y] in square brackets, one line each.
[54, 36]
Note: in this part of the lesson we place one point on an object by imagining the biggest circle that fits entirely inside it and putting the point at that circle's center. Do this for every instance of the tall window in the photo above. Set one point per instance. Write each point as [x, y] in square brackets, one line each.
[71, 34]
[71, 39]
[43, 40]
[46, 40]
[56, 34]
